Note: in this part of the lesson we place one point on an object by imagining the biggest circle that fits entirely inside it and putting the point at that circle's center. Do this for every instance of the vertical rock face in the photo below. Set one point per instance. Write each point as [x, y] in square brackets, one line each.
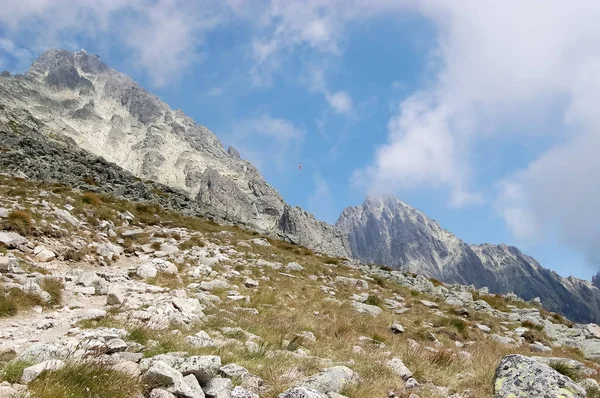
[384, 230]
[75, 97]
[596, 280]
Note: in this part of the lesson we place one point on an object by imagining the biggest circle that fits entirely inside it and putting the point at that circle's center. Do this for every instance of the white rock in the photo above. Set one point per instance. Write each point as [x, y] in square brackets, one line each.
[294, 266]
[366, 308]
[218, 388]
[484, 328]
[45, 255]
[12, 239]
[260, 242]
[32, 372]
[397, 328]
[399, 368]
[146, 270]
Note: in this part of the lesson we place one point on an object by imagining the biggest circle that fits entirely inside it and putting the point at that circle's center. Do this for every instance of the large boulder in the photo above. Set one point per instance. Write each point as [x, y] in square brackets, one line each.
[521, 376]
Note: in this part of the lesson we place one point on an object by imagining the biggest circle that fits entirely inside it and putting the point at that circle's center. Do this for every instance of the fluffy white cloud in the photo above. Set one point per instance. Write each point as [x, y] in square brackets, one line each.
[501, 65]
[163, 36]
[340, 101]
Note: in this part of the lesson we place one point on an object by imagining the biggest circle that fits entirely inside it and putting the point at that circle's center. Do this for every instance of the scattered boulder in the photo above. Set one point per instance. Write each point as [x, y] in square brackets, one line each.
[301, 392]
[334, 379]
[399, 368]
[203, 367]
[32, 372]
[366, 308]
[218, 387]
[518, 375]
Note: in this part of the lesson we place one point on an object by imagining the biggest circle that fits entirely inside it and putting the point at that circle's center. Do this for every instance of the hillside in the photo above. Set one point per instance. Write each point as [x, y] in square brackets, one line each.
[113, 298]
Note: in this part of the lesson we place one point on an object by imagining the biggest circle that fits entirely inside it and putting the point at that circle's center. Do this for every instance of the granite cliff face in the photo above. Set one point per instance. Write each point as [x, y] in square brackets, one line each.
[75, 98]
[387, 231]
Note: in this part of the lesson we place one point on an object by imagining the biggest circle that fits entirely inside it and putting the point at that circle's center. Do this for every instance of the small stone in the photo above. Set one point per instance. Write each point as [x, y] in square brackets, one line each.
[366, 308]
[399, 368]
[397, 328]
[428, 304]
[484, 328]
[294, 266]
[250, 283]
[193, 384]
[411, 384]
[218, 387]
[45, 255]
[301, 392]
[260, 242]
[240, 392]
[160, 393]
[203, 367]
[334, 379]
[115, 345]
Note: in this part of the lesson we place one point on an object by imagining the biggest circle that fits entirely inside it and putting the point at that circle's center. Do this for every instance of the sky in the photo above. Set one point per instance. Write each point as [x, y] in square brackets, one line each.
[480, 113]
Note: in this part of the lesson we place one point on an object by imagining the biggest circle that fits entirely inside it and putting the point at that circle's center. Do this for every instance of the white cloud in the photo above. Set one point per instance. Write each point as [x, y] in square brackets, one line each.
[501, 65]
[340, 101]
[163, 36]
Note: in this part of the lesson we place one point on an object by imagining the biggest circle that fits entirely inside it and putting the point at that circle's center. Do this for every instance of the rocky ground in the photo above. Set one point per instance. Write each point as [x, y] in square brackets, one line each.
[100, 297]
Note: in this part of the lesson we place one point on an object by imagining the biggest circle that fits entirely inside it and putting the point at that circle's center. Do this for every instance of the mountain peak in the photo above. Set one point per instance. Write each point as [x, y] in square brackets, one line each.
[60, 61]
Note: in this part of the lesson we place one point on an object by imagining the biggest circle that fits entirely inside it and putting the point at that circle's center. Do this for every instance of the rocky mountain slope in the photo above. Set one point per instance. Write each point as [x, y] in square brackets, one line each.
[106, 298]
[77, 99]
[387, 231]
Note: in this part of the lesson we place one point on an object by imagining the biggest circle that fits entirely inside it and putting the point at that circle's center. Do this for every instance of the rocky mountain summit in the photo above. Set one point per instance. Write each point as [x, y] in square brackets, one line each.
[107, 298]
[77, 99]
[385, 230]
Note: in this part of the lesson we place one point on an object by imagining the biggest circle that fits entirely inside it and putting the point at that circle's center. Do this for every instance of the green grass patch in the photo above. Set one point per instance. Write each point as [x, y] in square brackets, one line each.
[85, 380]
[13, 370]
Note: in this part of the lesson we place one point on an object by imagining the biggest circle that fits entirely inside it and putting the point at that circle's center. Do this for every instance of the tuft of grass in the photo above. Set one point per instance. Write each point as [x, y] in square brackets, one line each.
[13, 370]
[55, 288]
[374, 300]
[91, 198]
[83, 380]
[155, 245]
[380, 281]
[163, 279]
[13, 300]
[530, 325]
[593, 392]
[533, 335]
[19, 221]
[191, 242]
[75, 255]
[567, 370]
[140, 335]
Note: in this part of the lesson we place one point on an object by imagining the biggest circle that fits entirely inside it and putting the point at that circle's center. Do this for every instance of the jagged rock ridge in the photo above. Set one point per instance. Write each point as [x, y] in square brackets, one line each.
[385, 230]
[75, 97]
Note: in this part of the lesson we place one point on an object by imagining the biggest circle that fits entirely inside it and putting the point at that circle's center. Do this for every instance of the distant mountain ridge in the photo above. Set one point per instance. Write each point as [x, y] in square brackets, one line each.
[76, 97]
[384, 230]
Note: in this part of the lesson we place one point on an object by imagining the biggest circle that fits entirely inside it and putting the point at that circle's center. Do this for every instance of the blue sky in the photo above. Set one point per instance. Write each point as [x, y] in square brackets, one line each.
[479, 113]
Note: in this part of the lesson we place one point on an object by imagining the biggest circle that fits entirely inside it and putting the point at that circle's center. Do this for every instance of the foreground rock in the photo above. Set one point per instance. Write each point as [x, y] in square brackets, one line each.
[521, 376]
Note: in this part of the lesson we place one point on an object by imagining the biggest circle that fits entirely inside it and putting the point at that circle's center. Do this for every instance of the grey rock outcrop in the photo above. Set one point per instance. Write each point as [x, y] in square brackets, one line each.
[518, 376]
[68, 101]
[384, 230]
